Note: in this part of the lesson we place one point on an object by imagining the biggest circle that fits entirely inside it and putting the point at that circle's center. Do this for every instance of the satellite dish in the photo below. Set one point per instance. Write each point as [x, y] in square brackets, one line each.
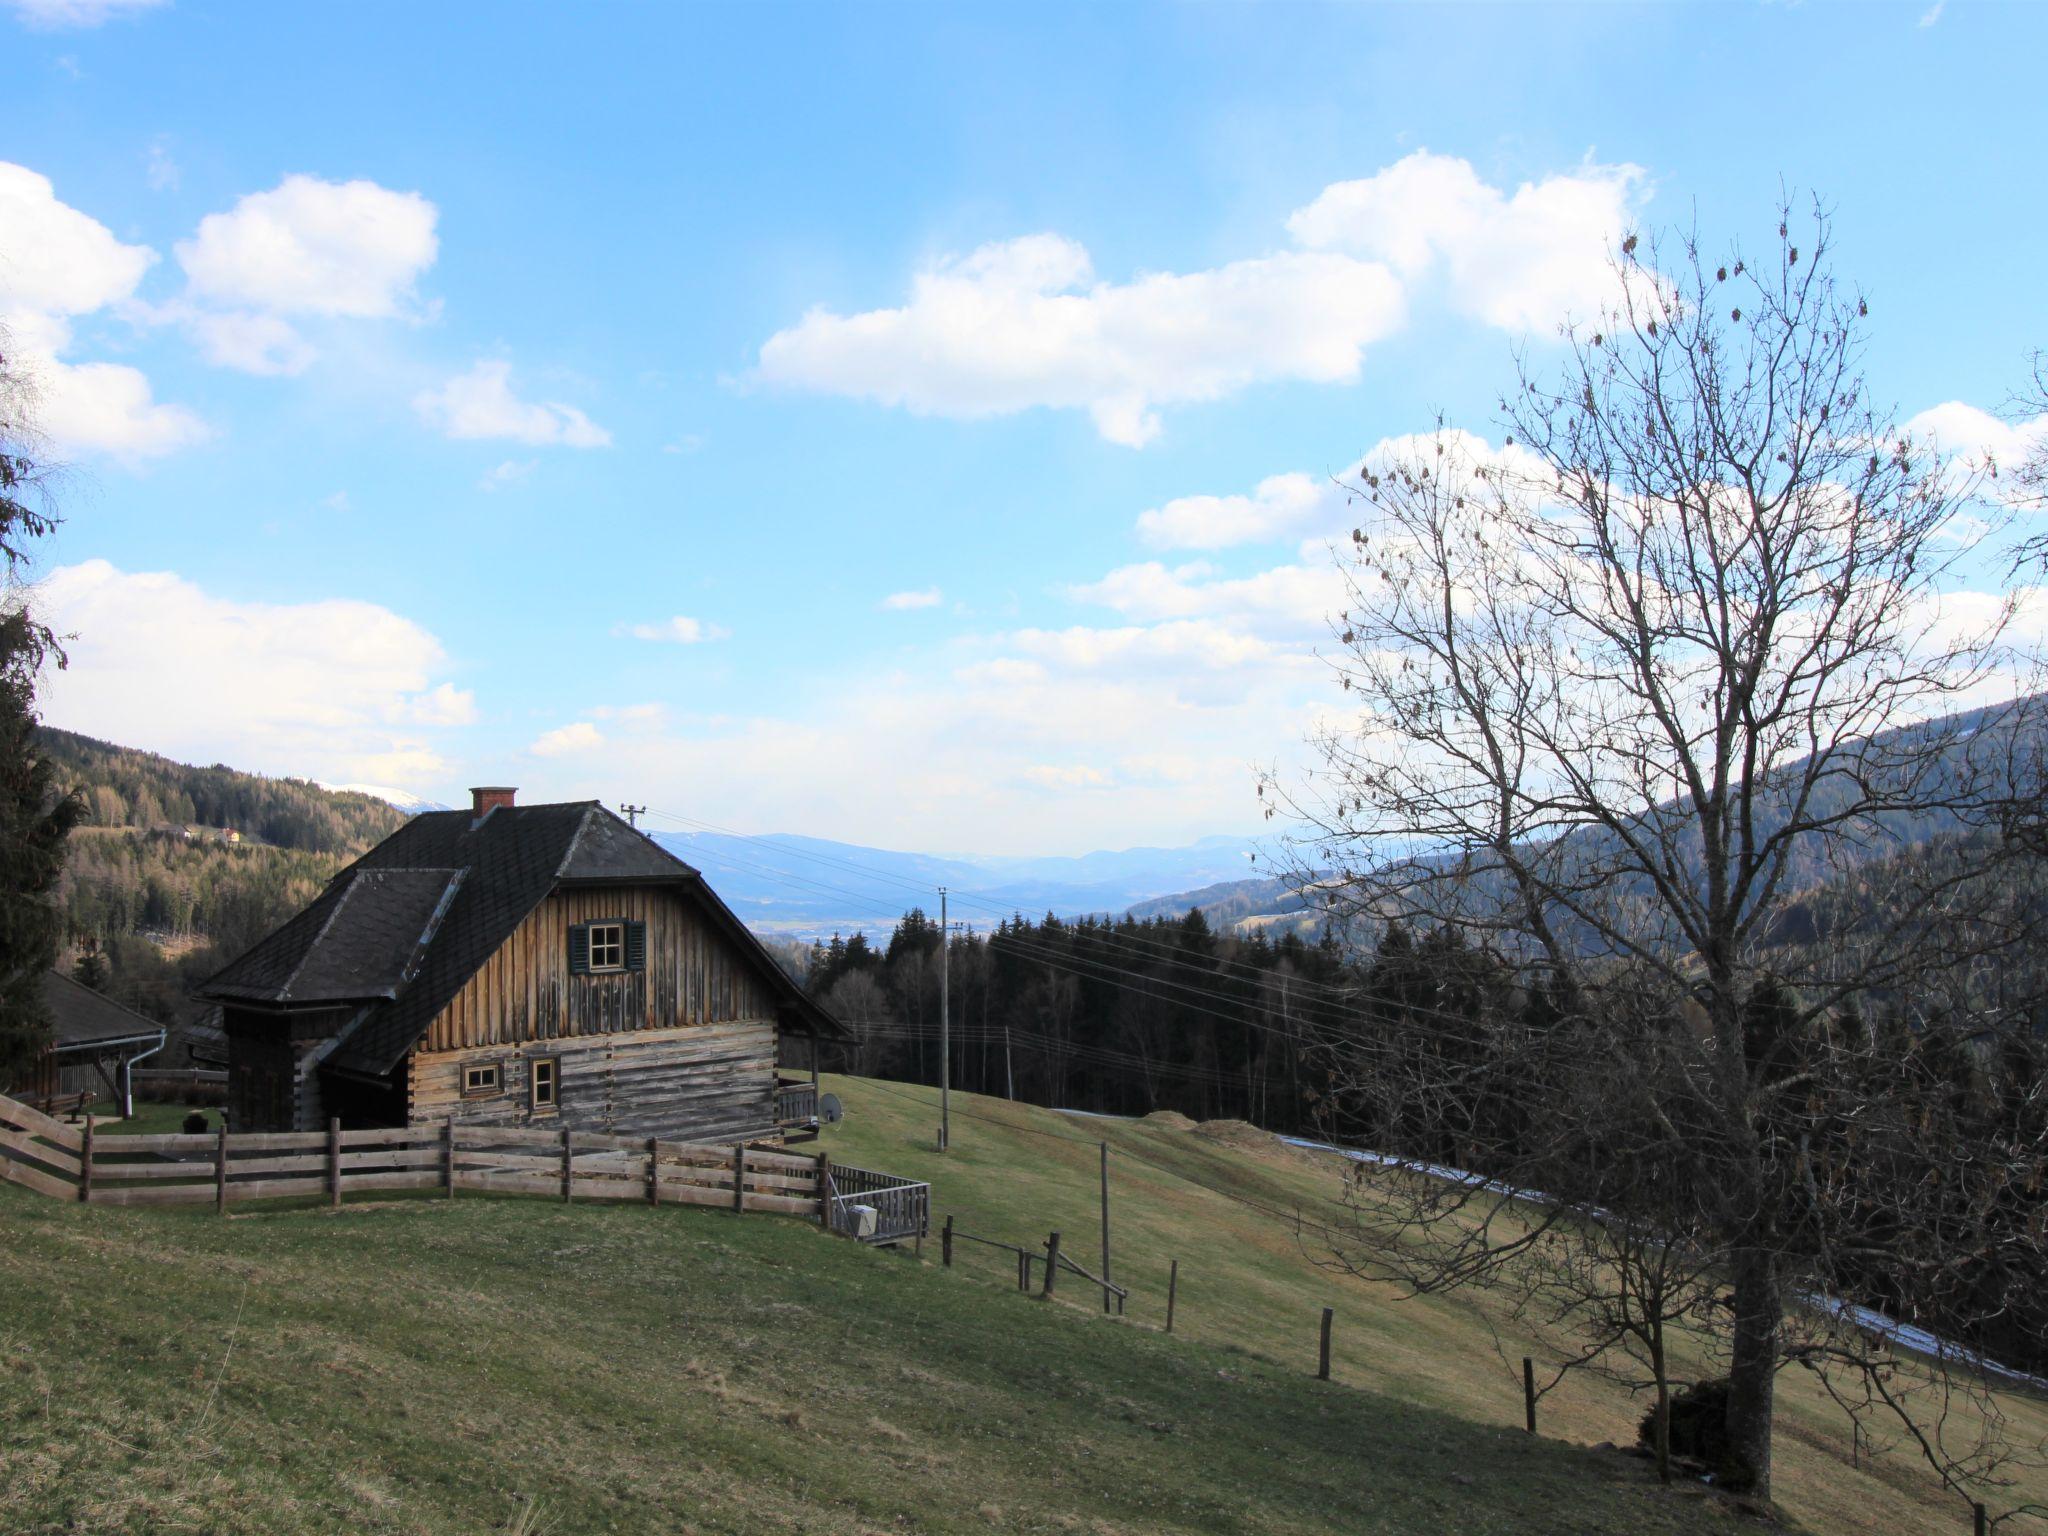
[830, 1110]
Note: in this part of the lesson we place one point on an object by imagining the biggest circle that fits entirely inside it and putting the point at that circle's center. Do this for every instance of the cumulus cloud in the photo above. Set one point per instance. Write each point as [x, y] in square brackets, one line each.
[1520, 261]
[1278, 505]
[307, 248]
[1026, 322]
[63, 15]
[481, 404]
[567, 740]
[680, 630]
[1980, 442]
[314, 247]
[56, 265]
[337, 689]
[900, 602]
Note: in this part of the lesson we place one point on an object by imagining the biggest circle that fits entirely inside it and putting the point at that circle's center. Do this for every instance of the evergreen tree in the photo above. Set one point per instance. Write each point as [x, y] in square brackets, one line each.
[34, 817]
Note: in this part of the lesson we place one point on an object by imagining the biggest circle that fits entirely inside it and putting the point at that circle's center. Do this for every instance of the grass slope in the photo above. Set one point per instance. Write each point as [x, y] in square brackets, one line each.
[431, 1366]
[1250, 1281]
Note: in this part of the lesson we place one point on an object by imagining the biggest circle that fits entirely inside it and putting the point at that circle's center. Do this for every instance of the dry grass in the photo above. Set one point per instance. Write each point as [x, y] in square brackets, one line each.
[1252, 1280]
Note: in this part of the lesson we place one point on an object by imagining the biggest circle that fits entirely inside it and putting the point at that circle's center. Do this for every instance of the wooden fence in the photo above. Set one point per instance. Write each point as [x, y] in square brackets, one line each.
[73, 1163]
[877, 1208]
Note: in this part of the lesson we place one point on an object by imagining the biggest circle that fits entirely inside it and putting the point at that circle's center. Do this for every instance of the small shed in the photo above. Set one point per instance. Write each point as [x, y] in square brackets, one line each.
[94, 1044]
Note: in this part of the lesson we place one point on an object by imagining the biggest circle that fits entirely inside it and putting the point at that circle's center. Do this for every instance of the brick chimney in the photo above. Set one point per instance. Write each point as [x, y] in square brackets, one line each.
[486, 798]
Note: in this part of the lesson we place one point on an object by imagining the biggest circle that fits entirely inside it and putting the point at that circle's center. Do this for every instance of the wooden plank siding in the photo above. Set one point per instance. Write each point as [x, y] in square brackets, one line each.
[524, 992]
[685, 1048]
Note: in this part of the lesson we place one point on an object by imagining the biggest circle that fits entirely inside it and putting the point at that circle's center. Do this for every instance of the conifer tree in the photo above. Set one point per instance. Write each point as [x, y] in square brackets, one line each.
[35, 817]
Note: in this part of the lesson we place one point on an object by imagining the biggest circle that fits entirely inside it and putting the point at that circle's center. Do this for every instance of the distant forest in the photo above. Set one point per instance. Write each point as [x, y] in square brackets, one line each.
[1122, 1016]
[155, 895]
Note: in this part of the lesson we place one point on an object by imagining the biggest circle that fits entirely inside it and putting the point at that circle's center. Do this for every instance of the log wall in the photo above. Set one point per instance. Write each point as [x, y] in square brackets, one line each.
[701, 1082]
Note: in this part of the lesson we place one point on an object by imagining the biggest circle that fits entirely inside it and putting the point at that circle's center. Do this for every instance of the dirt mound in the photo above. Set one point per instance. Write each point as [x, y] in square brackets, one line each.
[1170, 1120]
[1243, 1136]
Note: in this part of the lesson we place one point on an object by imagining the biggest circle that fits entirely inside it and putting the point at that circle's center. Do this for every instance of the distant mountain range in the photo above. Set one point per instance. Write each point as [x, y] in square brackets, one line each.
[805, 887]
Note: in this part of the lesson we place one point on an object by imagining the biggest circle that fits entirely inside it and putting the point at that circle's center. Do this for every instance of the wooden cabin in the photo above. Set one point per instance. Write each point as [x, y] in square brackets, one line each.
[94, 1045]
[511, 965]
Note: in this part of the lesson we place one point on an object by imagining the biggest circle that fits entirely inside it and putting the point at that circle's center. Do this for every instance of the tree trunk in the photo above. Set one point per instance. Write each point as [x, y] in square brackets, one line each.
[1753, 1368]
[1660, 1366]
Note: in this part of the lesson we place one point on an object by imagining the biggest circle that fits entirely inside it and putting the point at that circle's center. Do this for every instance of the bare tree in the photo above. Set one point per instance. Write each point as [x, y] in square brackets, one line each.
[1687, 647]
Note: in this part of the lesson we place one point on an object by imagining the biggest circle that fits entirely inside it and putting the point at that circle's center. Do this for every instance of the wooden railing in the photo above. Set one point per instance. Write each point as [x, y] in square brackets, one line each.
[73, 1163]
[901, 1208]
[796, 1105]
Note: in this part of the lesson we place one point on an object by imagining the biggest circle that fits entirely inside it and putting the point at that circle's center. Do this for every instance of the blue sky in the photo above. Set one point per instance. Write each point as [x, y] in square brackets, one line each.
[755, 411]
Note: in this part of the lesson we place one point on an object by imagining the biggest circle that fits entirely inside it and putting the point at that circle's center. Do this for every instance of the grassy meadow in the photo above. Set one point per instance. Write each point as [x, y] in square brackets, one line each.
[421, 1365]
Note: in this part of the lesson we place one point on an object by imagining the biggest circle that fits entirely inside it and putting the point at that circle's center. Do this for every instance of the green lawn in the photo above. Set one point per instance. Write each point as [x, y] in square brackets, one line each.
[424, 1365]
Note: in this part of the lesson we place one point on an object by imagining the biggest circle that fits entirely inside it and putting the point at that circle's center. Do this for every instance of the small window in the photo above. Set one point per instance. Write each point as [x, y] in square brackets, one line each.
[480, 1081]
[607, 946]
[546, 1075]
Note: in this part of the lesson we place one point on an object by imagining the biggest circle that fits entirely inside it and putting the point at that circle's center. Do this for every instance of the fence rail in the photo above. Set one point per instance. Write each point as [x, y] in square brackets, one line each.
[876, 1207]
[1028, 1259]
[68, 1162]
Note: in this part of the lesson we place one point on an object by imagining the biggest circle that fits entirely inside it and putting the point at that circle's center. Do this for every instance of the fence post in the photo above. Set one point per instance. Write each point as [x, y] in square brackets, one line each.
[334, 1160]
[1982, 1519]
[1323, 1361]
[448, 1155]
[946, 1243]
[1052, 1264]
[568, 1165]
[1172, 1285]
[1529, 1393]
[85, 1165]
[653, 1171]
[825, 1190]
[1023, 1271]
[739, 1178]
[220, 1171]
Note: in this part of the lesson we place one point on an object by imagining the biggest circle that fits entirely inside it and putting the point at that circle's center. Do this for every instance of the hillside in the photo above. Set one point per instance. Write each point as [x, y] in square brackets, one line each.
[154, 882]
[424, 1366]
[1223, 1200]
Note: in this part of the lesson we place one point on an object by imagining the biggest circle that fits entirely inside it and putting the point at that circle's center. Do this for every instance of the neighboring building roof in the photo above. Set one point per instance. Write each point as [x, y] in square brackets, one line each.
[80, 1016]
[351, 944]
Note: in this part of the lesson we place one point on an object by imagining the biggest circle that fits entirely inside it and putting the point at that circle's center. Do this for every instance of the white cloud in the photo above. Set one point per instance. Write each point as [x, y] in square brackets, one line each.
[1932, 14]
[1025, 322]
[899, 602]
[443, 704]
[59, 15]
[1980, 442]
[679, 630]
[335, 689]
[566, 740]
[57, 264]
[337, 502]
[480, 404]
[314, 247]
[261, 344]
[1279, 505]
[1520, 261]
[109, 408]
[510, 472]
[1065, 776]
[689, 442]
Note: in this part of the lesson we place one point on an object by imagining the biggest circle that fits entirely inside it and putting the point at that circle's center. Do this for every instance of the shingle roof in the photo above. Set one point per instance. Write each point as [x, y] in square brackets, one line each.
[78, 1014]
[374, 941]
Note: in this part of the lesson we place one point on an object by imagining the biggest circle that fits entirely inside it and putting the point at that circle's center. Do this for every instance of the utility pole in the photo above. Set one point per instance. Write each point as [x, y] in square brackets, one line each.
[633, 813]
[945, 1029]
[1009, 1076]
